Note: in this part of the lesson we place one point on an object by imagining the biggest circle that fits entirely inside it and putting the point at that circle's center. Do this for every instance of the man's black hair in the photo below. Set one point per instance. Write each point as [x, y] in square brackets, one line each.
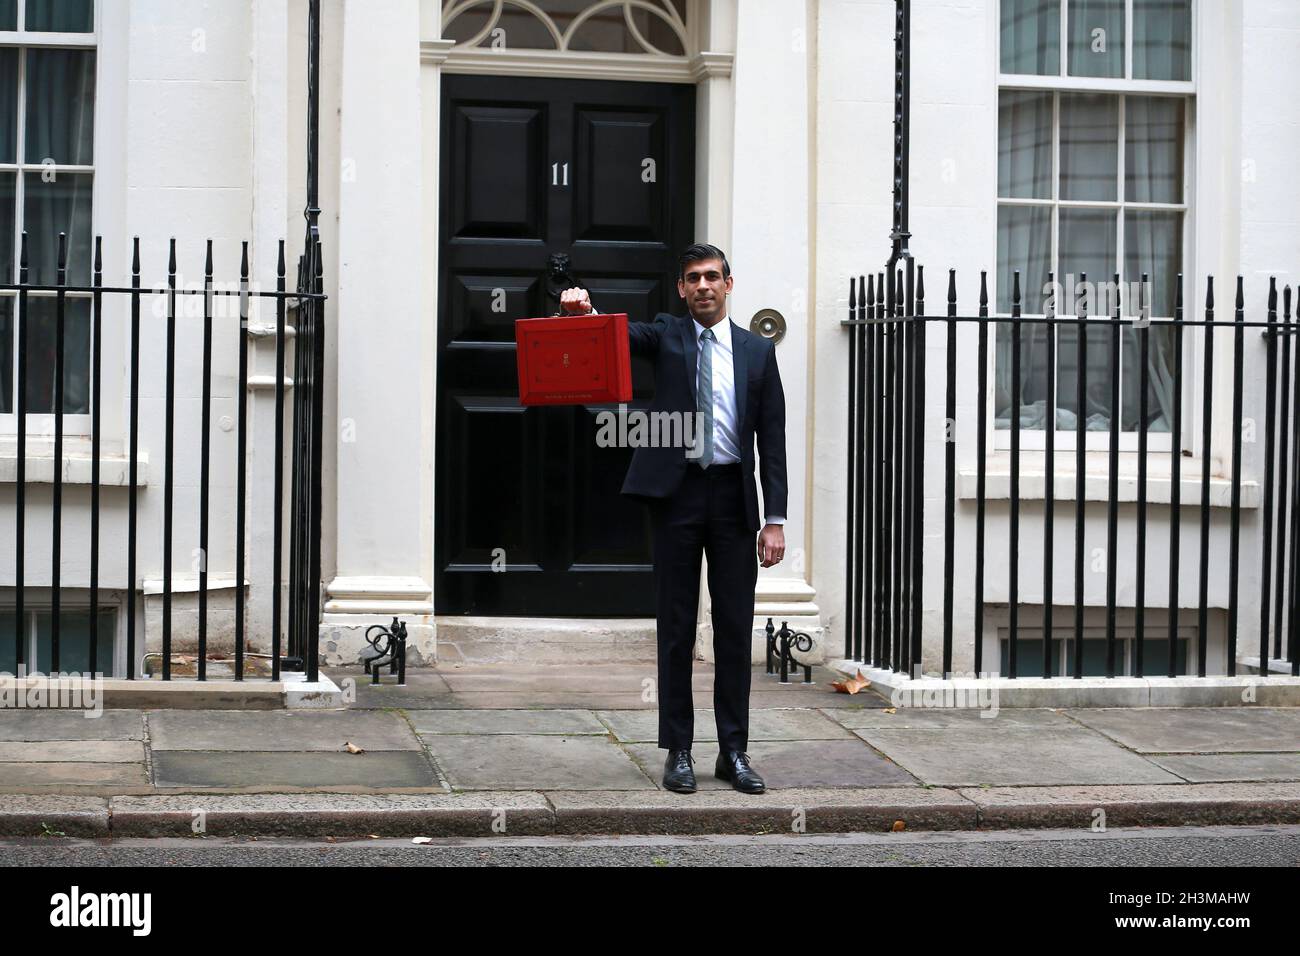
[698, 253]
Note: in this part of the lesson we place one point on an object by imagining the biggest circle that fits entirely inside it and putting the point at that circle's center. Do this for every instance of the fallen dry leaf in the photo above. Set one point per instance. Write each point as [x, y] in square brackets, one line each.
[352, 748]
[421, 841]
[899, 826]
[851, 685]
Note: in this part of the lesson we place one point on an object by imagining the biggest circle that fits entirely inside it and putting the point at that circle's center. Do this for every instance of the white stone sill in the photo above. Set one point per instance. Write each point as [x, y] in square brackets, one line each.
[188, 583]
[1097, 482]
[114, 466]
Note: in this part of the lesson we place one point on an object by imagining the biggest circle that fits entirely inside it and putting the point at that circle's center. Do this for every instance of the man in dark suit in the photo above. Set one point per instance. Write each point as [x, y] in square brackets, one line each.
[703, 500]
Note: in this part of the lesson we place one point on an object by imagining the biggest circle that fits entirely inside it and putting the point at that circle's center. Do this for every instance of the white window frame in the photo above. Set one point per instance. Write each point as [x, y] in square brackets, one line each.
[75, 426]
[1065, 440]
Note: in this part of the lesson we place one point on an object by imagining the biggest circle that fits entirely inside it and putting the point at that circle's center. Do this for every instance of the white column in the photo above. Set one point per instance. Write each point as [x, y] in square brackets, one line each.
[765, 99]
[270, 121]
[385, 334]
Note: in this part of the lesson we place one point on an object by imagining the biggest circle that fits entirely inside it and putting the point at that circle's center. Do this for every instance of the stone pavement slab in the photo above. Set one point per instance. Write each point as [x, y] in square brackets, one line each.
[468, 721]
[1209, 768]
[279, 730]
[381, 770]
[77, 751]
[75, 776]
[634, 726]
[1198, 729]
[997, 755]
[940, 718]
[767, 694]
[70, 725]
[569, 700]
[785, 764]
[535, 762]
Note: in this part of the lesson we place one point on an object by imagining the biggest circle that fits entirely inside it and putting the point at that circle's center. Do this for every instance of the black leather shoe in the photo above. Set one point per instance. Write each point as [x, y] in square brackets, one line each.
[678, 775]
[734, 766]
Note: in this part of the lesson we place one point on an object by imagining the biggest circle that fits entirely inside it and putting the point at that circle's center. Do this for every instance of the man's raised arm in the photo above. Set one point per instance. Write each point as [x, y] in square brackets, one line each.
[642, 337]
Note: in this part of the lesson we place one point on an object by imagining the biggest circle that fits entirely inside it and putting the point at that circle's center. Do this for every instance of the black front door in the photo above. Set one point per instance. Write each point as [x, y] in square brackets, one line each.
[529, 518]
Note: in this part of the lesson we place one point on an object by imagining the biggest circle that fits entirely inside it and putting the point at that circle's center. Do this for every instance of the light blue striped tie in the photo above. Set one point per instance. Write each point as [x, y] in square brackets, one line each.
[704, 395]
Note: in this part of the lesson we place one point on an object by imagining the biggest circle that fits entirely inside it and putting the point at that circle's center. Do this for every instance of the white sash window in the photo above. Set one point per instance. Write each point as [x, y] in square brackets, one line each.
[1093, 178]
[47, 132]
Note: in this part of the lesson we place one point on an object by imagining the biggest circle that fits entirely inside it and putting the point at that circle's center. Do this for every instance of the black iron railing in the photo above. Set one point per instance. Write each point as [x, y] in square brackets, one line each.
[305, 513]
[885, 548]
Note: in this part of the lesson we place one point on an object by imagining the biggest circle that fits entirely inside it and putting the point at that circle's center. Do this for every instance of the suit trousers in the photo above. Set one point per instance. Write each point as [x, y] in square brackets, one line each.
[706, 516]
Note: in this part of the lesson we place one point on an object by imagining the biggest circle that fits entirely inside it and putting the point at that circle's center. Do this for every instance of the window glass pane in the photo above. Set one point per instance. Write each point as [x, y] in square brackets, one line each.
[606, 31]
[1032, 405]
[1155, 655]
[1089, 146]
[60, 106]
[1029, 656]
[8, 104]
[1153, 244]
[1087, 243]
[657, 32]
[7, 202]
[1024, 243]
[6, 362]
[1031, 37]
[61, 205]
[1162, 39]
[42, 353]
[8, 646]
[1153, 149]
[1094, 657]
[1087, 238]
[60, 16]
[469, 22]
[521, 30]
[8, 14]
[1096, 37]
[74, 642]
[1024, 145]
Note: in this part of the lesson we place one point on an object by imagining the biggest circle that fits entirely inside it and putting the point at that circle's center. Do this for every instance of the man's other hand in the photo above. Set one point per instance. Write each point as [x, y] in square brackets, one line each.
[575, 301]
[771, 545]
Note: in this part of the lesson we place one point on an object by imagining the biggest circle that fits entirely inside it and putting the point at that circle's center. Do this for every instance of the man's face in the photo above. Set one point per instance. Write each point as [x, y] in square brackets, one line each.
[704, 289]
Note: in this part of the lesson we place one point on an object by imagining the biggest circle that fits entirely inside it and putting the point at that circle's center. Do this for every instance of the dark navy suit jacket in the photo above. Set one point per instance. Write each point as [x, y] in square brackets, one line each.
[760, 411]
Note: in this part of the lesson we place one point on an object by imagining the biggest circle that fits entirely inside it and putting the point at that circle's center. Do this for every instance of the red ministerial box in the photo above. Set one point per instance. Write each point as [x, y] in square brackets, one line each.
[573, 360]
